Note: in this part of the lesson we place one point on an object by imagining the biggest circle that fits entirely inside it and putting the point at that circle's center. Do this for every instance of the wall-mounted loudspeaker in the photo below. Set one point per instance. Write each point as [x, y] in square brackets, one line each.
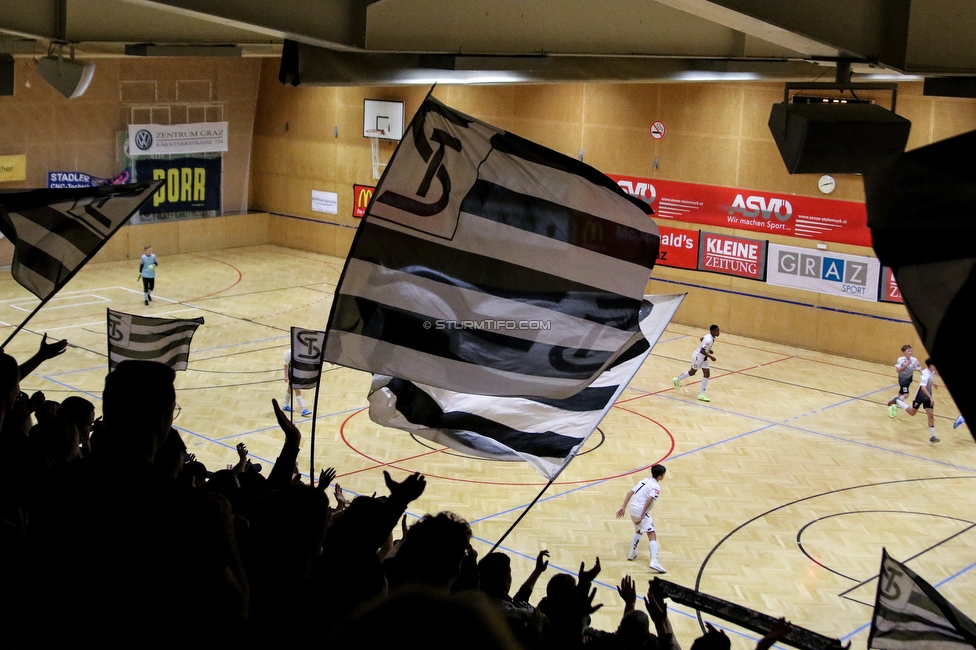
[69, 77]
[836, 138]
[6, 74]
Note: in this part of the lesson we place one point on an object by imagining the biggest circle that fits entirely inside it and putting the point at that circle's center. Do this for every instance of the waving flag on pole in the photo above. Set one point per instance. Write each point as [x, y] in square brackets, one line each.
[306, 358]
[545, 433]
[166, 340]
[56, 231]
[909, 613]
[487, 264]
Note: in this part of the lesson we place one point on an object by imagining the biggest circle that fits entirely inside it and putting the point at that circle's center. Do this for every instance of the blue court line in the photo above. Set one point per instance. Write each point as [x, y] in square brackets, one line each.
[237, 345]
[783, 300]
[827, 435]
[327, 415]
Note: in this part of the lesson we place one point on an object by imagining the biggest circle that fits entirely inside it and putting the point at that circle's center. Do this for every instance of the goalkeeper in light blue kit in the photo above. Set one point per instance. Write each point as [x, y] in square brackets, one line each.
[147, 271]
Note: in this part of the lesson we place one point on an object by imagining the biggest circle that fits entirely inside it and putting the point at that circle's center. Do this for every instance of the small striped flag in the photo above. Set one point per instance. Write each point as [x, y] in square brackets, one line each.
[491, 265]
[909, 614]
[305, 366]
[547, 433]
[166, 340]
[56, 231]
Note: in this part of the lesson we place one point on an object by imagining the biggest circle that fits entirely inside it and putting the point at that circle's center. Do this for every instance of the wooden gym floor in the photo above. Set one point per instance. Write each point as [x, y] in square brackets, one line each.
[780, 493]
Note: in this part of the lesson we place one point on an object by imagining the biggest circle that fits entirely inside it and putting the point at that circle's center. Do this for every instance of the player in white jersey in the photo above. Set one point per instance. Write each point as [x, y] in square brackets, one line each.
[906, 367]
[641, 499]
[700, 360]
[924, 398]
[297, 391]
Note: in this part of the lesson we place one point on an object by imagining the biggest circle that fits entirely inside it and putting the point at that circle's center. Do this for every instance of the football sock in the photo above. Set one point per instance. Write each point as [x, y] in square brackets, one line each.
[287, 399]
[634, 542]
[932, 431]
[654, 550]
[901, 404]
[704, 383]
[683, 376]
[300, 402]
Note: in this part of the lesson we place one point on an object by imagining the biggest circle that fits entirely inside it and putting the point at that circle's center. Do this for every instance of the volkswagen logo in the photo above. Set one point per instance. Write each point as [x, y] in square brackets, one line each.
[144, 139]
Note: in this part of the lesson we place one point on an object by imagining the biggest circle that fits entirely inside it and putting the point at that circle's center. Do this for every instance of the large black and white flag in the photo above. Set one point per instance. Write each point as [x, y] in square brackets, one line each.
[909, 614]
[166, 340]
[488, 264]
[55, 231]
[305, 366]
[547, 433]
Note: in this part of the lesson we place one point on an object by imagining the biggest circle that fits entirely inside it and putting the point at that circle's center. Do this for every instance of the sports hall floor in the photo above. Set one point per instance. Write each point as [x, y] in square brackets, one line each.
[780, 493]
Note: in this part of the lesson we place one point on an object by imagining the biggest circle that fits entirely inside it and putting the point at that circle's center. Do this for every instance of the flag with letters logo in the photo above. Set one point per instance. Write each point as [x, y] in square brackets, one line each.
[305, 367]
[909, 613]
[488, 264]
[547, 433]
[56, 231]
[166, 340]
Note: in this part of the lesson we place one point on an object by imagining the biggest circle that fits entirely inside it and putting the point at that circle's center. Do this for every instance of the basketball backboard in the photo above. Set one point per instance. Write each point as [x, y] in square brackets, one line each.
[382, 119]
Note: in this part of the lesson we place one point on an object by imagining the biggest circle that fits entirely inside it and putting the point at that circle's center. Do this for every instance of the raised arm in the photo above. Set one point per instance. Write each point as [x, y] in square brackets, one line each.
[525, 591]
[44, 352]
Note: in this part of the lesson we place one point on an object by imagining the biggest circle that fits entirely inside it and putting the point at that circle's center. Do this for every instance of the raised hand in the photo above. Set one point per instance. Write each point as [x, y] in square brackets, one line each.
[657, 609]
[586, 577]
[408, 490]
[36, 401]
[51, 350]
[541, 563]
[589, 607]
[292, 434]
[340, 497]
[326, 476]
[628, 593]
[242, 451]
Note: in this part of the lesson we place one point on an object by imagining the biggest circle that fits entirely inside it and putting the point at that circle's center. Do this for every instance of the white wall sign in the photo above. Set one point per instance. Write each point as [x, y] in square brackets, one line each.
[162, 139]
[325, 202]
[823, 271]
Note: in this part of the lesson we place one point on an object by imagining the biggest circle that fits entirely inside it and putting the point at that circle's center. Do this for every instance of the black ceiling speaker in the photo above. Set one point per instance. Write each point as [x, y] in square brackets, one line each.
[836, 138]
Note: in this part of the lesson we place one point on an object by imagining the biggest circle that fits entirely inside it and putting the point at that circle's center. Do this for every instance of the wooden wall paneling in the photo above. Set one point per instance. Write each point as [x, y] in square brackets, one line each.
[202, 235]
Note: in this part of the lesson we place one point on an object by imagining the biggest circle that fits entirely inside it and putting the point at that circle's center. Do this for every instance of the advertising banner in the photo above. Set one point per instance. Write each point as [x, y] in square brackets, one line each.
[824, 272]
[13, 168]
[192, 184]
[729, 255]
[325, 202]
[844, 222]
[679, 248]
[361, 195]
[176, 139]
[889, 287]
[66, 180]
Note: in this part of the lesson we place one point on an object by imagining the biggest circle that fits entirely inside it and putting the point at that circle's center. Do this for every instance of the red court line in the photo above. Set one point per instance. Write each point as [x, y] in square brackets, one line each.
[734, 372]
[214, 259]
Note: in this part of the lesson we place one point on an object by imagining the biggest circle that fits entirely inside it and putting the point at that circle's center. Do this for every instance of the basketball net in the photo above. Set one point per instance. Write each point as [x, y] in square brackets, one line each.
[374, 146]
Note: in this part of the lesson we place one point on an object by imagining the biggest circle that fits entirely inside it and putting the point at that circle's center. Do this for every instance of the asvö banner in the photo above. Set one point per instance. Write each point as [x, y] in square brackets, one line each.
[165, 139]
[824, 272]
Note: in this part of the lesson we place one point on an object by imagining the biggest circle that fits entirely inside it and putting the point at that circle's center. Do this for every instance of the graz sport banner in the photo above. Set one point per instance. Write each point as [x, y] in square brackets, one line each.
[824, 272]
[830, 220]
[192, 184]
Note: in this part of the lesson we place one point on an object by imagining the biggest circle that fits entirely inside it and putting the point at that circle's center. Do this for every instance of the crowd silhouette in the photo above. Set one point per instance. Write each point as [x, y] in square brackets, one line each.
[111, 535]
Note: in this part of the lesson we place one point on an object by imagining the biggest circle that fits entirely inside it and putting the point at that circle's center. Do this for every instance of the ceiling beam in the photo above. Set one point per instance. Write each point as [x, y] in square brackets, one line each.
[30, 18]
[335, 24]
[868, 30]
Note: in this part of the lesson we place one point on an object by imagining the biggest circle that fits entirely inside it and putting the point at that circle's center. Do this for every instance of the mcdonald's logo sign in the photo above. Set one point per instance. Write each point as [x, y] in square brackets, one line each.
[361, 196]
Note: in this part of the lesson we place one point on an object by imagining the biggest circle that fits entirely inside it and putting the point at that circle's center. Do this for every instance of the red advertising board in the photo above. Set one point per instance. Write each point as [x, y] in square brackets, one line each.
[889, 287]
[729, 255]
[679, 248]
[361, 195]
[829, 220]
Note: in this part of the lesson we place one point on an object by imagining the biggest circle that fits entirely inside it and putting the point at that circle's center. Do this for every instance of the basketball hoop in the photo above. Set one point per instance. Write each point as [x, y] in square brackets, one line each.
[374, 145]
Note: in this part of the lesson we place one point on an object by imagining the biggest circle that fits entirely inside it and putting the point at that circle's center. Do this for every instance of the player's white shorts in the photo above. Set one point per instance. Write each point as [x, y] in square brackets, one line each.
[645, 525]
[699, 361]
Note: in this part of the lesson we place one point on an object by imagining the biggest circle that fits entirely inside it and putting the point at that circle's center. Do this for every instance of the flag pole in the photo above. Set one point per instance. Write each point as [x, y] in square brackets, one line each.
[315, 412]
[524, 512]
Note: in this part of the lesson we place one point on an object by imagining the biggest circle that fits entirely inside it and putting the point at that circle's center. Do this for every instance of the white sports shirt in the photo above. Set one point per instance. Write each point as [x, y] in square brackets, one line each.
[927, 379]
[707, 342]
[649, 488]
